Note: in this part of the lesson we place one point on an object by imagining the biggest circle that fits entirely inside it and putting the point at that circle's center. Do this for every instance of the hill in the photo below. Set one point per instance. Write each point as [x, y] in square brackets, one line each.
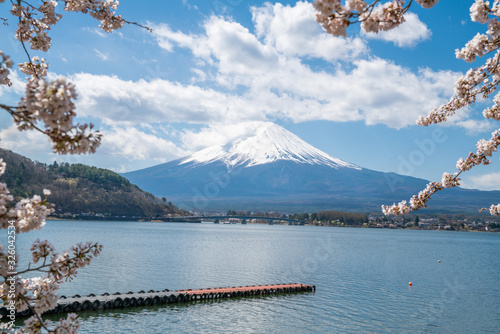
[81, 189]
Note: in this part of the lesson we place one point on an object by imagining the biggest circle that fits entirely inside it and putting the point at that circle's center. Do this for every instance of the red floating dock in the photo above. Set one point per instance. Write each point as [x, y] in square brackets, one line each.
[250, 290]
[118, 300]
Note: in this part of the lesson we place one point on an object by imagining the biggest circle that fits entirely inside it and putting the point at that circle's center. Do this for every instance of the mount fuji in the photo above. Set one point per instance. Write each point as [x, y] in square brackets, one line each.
[271, 143]
[273, 169]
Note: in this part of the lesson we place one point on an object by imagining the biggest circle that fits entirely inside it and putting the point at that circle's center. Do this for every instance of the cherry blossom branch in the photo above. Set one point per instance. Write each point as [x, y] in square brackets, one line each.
[139, 25]
[335, 17]
[21, 40]
[27, 4]
[485, 149]
[56, 111]
[50, 103]
[482, 81]
[40, 323]
[20, 117]
[90, 248]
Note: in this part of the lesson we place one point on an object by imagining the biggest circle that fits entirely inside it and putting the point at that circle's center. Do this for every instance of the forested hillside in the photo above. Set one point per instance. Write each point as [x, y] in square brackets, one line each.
[81, 189]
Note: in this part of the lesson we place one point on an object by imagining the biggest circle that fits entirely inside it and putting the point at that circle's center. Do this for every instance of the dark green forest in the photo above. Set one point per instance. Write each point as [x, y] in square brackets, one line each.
[77, 188]
[348, 218]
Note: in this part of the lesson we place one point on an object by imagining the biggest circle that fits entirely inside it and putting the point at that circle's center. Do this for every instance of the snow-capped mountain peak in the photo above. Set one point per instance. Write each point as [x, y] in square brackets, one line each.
[270, 143]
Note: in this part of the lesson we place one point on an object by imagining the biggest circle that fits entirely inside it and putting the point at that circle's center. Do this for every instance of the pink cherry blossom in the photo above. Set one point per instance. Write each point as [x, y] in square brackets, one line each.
[477, 83]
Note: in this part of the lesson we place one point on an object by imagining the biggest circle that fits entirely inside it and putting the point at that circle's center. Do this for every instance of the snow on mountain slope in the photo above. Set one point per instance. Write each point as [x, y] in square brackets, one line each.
[270, 143]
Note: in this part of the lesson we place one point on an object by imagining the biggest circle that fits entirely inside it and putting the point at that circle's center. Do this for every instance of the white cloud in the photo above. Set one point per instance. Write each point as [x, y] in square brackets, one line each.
[217, 134]
[408, 34]
[101, 55]
[240, 76]
[376, 91]
[200, 76]
[133, 144]
[295, 32]
[284, 67]
[189, 6]
[490, 181]
[96, 31]
[129, 146]
[157, 101]
[269, 65]
[28, 142]
[165, 37]
[473, 126]
[18, 85]
[261, 75]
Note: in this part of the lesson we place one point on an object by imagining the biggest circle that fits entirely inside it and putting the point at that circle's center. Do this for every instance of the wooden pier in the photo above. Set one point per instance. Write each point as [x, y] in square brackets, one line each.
[151, 297]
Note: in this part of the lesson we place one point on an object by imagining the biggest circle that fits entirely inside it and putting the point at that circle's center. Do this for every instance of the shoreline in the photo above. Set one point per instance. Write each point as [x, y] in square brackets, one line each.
[311, 225]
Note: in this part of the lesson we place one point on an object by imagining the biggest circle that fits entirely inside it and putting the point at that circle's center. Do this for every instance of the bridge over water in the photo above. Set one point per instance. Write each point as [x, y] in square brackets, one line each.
[217, 219]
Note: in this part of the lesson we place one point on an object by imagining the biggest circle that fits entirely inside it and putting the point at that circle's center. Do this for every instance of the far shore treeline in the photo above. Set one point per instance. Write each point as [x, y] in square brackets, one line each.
[347, 218]
[79, 189]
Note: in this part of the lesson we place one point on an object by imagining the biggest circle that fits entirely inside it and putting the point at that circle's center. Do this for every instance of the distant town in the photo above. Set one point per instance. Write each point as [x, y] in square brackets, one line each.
[322, 218]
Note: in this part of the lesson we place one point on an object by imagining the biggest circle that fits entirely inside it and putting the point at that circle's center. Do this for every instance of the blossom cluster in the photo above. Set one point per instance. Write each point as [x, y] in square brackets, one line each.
[66, 265]
[33, 30]
[5, 64]
[48, 106]
[29, 213]
[332, 17]
[495, 209]
[102, 10]
[4, 261]
[52, 103]
[420, 201]
[5, 198]
[383, 18]
[38, 294]
[485, 149]
[335, 17]
[477, 82]
[493, 112]
[416, 202]
[479, 11]
[36, 68]
[41, 250]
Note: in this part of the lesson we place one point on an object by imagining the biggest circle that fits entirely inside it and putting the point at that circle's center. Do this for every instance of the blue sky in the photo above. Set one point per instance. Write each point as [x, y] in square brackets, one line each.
[214, 70]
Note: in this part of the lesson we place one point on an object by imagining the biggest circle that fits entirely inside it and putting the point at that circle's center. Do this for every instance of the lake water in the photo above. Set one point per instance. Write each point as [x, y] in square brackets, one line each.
[361, 277]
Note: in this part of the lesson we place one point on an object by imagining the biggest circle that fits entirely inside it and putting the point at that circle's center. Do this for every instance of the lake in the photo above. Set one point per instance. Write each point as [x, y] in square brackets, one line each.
[361, 277]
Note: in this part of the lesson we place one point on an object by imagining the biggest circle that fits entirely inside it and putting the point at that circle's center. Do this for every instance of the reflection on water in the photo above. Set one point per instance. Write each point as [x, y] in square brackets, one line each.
[361, 277]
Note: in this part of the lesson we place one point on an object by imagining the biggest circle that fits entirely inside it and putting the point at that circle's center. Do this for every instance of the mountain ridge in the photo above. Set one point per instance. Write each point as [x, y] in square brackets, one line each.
[77, 188]
[275, 170]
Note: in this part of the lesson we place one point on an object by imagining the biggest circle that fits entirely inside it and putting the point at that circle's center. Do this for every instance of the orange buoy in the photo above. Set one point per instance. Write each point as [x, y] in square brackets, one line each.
[439, 261]
[410, 284]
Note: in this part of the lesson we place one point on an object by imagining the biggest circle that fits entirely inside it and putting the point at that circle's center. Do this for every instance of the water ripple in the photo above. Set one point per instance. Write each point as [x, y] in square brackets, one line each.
[361, 277]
